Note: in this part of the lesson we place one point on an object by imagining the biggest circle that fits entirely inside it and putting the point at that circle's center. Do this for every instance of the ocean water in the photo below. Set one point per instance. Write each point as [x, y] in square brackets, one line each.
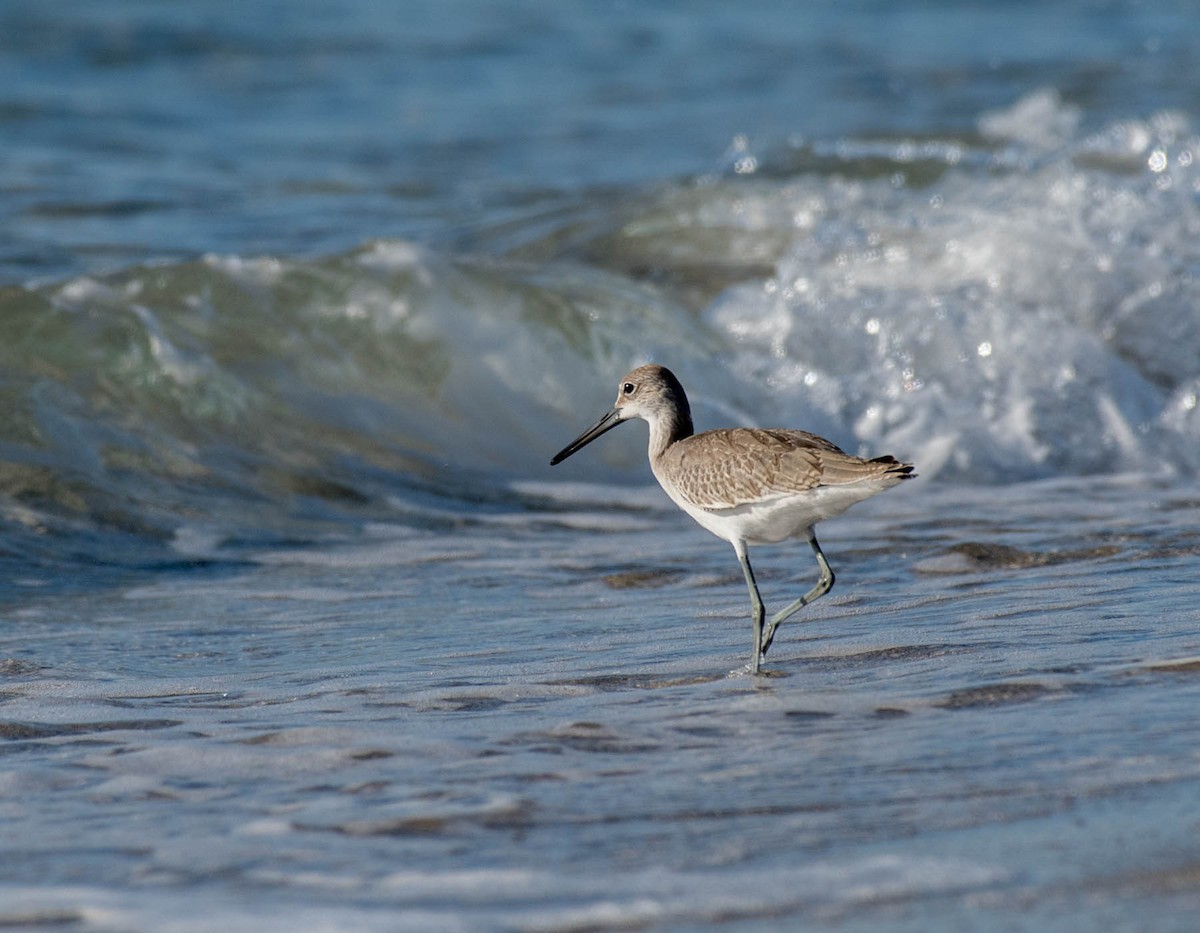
[299, 629]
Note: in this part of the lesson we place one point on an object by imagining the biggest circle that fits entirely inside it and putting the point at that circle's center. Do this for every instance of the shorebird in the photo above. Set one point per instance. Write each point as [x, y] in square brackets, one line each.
[746, 485]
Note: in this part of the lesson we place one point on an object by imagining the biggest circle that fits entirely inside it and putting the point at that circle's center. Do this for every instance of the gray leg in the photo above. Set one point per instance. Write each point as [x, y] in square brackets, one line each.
[823, 586]
[756, 605]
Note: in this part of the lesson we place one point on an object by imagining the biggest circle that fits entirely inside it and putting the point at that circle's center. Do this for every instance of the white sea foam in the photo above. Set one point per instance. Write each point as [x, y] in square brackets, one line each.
[1000, 324]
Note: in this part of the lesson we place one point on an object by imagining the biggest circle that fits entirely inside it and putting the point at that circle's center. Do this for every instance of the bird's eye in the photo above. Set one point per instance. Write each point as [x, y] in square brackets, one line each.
[628, 388]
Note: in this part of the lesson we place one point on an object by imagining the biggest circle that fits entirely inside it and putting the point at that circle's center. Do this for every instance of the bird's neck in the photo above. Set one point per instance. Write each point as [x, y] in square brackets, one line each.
[667, 429]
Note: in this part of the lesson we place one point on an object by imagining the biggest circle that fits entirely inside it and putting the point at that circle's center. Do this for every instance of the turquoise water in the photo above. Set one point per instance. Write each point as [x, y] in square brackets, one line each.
[300, 629]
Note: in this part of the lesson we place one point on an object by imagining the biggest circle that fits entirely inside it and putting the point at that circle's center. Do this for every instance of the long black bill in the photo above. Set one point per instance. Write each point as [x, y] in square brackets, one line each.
[611, 419]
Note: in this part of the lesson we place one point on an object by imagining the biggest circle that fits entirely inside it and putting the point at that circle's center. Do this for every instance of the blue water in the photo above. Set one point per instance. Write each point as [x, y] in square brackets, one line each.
[301, 631]
[137, 131]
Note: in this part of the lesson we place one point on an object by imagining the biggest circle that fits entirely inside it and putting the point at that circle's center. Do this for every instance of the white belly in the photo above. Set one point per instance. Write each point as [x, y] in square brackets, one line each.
[770, 521]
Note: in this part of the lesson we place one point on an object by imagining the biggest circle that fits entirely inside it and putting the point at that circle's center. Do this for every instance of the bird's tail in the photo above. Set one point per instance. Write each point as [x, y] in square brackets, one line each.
[895, 467]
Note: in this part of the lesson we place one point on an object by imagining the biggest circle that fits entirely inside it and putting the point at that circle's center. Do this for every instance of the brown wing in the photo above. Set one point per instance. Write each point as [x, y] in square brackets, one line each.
[726, 468]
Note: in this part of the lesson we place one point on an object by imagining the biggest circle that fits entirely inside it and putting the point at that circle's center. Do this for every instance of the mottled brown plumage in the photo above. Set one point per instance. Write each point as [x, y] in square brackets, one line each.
[729, 467]
[746, 485]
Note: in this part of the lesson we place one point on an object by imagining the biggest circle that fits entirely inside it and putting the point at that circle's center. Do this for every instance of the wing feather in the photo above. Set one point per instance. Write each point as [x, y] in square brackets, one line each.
[726, 468]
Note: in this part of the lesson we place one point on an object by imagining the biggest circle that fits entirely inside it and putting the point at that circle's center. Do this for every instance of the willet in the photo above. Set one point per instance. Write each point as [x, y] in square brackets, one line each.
[746, 485]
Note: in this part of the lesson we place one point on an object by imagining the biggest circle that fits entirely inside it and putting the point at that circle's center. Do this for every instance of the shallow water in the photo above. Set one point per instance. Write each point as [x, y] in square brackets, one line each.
[545, 723]
[298, 628]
